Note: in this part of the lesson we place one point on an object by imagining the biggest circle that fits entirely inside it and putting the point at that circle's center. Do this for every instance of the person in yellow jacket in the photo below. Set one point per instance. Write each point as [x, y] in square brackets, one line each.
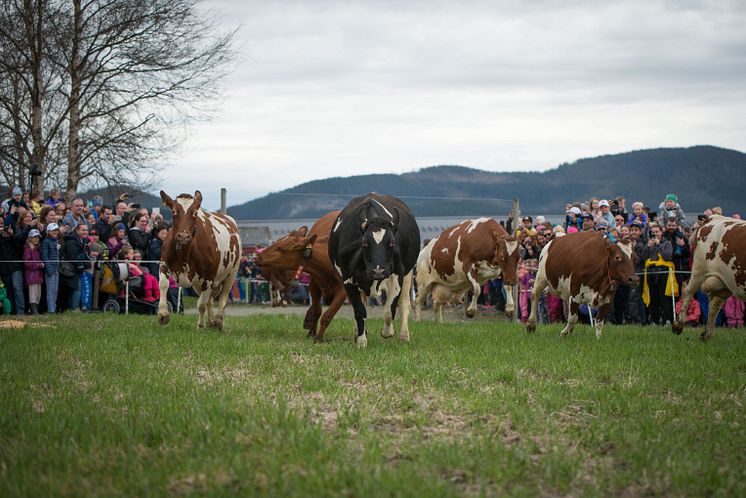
[658, 265]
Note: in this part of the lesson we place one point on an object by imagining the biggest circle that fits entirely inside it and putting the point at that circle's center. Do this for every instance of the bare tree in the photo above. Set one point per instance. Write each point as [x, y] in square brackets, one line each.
[137, 68]
[101, 85]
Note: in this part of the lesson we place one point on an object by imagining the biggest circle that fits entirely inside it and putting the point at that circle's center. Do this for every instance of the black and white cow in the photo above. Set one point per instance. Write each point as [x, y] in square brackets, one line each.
[374, 245]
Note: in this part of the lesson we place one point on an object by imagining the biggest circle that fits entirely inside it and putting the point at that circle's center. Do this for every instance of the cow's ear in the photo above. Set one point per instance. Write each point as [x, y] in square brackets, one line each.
[302, 231]
[495, 236]
[310, 240]
[362, 218]
[395, 220]
[197, 200]
[167, 201]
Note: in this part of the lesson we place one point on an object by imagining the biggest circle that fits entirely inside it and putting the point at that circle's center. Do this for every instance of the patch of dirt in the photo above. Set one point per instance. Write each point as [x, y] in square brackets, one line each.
[19, 324]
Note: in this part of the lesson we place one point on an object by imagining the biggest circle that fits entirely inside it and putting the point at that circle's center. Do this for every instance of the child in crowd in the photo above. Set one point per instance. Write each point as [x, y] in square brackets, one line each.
[33, 267]
[50, 255]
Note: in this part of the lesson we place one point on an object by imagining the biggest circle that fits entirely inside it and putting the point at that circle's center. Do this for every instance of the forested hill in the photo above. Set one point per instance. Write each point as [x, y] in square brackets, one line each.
[701, 176]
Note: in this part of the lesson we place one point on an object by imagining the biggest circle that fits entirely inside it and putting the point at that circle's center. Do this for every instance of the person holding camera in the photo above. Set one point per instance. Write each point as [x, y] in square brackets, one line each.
[658, 266]
[670, 208]
[681, 250]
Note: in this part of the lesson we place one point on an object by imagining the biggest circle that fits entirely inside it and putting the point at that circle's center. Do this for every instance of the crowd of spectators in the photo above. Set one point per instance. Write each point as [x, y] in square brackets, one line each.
[661, 241]
[49, 250]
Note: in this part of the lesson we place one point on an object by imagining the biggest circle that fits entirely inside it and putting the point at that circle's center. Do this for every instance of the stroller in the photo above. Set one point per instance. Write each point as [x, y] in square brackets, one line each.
[119, 278]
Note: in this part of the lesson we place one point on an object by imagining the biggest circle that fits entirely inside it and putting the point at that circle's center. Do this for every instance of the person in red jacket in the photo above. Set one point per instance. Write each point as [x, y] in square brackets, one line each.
[33, 269]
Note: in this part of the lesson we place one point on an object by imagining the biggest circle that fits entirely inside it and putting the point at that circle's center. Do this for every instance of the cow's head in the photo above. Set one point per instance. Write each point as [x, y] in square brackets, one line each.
[184, 208]
[379, 242]
[506, 256]
[622, 262]
[287, 252]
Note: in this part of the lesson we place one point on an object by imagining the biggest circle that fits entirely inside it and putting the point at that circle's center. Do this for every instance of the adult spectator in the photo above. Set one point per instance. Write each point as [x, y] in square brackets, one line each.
[11, 268]
[139, 233]
[670, 208]
[635, 306]
[76, 215]
[605, 213]
[47, 216]
[76, 252]
[658, 264]
[154, 249]
[105, 222]
[681, 250]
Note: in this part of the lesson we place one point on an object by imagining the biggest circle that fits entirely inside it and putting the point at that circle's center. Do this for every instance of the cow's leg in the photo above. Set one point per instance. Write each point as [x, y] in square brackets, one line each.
[405, 302]
[716, 302]
[423, 290]
[225, 291]
[202, 300]
[509, 304]
[361, 313]
[163, 316]
[539, 285]
[311, 320]
[438, 309]
[337, 301]
[600, 318]
[476, 289]
[572, 318]
[393, 291]
[694, 282]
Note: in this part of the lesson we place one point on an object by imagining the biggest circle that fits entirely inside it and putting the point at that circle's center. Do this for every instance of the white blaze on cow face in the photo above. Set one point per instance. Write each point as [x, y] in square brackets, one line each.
[185, 203]
[511, 246]
[378, 235]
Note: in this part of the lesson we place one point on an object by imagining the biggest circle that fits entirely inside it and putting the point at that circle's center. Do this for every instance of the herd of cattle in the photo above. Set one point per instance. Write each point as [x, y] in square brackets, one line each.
[373, 245]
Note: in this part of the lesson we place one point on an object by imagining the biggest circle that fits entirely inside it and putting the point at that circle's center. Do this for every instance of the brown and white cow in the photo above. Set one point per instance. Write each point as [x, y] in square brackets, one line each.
[309, 250]
[462, 258]
[583, 267]
[202, 251]
[718, 267]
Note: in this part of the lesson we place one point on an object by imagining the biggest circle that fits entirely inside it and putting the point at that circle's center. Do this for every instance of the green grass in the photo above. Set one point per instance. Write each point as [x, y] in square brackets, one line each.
[118, 406]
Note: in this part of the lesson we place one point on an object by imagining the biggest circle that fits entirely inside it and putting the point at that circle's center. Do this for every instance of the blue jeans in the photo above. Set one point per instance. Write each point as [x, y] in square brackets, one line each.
[53, 285]
[74, 300]
[18, 299]
[86, 284]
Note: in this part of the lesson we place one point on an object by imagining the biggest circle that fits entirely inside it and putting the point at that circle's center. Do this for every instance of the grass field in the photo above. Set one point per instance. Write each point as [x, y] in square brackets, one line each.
[118, 406]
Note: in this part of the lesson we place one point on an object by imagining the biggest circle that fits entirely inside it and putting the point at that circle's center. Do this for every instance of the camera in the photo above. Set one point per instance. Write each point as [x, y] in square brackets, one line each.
[701, 217]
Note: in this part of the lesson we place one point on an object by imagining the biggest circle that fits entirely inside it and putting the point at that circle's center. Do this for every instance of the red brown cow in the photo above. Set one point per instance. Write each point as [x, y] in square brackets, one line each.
[309, 250]
[462, 258]
[718, 267]
[201, 251]
[582, 267]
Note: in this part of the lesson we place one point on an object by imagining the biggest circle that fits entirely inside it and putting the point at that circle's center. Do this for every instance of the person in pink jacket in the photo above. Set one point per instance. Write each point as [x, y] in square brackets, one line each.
[734, 310]
[33, 269]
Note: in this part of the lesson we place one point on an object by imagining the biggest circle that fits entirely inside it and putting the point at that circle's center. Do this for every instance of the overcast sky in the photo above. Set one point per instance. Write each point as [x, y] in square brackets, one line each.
[326, 88]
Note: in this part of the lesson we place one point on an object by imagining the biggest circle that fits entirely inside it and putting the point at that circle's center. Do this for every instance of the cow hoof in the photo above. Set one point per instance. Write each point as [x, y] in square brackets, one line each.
[163, 319]
[677, 328]
[704, 337]
[318, 339]
[387, 332]
[470, 313]
[404, 337]
[362, 342]
[530, 328]
[509, 314]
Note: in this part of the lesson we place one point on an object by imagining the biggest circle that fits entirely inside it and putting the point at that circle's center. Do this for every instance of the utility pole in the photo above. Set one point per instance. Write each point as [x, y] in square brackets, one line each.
[223, 195]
